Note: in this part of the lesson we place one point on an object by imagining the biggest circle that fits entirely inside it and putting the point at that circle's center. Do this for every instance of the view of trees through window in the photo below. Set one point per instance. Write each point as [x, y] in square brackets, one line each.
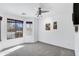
[14, 28]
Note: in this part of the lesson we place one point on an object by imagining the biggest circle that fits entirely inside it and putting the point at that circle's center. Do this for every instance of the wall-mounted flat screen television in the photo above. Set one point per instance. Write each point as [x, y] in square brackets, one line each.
[75, 14]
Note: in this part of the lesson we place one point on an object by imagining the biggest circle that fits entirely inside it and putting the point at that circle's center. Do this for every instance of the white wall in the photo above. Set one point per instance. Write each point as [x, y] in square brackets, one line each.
[25, 39]
[64, 35]
[77, 42]
[33, 37]
[14, 11]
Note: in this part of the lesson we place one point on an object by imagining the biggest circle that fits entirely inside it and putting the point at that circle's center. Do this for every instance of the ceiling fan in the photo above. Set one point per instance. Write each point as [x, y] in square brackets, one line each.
[40, 11]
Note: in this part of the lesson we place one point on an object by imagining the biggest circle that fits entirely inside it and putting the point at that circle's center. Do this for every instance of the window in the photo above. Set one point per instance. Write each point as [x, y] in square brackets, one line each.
[29, 28]
[14, 29]
[19, 29]
[10, 29]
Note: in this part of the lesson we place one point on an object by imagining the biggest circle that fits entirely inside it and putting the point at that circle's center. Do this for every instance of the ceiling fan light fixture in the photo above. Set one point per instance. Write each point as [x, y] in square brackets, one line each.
[23, 13]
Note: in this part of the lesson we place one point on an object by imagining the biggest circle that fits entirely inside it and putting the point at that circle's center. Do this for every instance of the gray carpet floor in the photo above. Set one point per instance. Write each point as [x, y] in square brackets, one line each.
[41, 49]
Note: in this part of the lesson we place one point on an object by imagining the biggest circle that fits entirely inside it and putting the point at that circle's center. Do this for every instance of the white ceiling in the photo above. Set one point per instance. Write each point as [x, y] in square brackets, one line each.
[31, 8]
[58, 8]
[18, 8]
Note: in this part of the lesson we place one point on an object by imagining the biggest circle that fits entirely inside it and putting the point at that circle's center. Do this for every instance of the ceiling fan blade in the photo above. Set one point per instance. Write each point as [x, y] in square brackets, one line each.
[44, 11]
[40, 11]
